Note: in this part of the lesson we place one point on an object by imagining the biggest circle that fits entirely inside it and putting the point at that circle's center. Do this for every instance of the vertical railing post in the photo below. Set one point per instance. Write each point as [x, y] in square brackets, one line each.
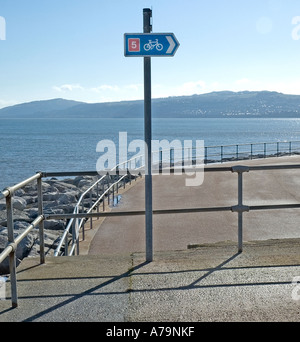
[83, 223]
[12, 255]
[113, 200]
[41, 225]
[240, 208]
[108, 191]
[240, 213]
[97, 199]
[73, 235]
[91, 204]
[103, 199]
[118, 177]
[172, 161]
[160, 161]
[66, 246]
[77, 234]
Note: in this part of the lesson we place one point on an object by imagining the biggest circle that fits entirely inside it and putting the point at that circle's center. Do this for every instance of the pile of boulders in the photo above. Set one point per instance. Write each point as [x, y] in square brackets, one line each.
[59, 197]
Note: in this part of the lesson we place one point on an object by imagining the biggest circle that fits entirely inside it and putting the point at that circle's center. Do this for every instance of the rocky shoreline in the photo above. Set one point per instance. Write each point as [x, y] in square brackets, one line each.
[59, 197]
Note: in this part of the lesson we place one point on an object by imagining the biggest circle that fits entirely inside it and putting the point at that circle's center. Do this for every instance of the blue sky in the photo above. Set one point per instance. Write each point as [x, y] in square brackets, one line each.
[73, 49]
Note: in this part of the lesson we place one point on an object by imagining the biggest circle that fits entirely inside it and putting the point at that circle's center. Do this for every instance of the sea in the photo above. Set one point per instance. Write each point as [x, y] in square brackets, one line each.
[69, 144]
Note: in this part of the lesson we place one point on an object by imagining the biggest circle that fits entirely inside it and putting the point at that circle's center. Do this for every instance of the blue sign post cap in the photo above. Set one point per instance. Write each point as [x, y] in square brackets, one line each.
[150, 44]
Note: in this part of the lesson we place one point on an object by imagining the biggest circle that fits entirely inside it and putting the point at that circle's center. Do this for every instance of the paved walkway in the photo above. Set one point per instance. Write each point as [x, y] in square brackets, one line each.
[177, 231]
[209, 283]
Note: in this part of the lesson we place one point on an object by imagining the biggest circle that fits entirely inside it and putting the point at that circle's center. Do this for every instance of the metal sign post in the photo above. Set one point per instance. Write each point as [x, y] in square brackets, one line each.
[148, 146]
[149, 45]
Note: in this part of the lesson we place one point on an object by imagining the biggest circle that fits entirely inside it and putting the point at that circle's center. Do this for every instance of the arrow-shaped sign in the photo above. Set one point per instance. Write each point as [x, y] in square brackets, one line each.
[150, 44]
[172, 44]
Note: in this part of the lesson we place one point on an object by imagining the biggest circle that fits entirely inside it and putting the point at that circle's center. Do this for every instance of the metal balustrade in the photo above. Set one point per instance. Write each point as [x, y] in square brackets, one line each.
[79, 215]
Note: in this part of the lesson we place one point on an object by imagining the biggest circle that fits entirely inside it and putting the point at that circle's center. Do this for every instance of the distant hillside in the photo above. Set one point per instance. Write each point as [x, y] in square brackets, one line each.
[212, 105]
[37, 108]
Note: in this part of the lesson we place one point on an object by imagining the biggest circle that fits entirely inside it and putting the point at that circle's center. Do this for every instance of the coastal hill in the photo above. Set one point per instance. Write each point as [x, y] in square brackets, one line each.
[246, 104]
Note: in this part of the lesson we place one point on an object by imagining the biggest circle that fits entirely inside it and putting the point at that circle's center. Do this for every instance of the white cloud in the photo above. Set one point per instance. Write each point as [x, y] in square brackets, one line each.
[135, 87]
[105, 87]
[68, 87]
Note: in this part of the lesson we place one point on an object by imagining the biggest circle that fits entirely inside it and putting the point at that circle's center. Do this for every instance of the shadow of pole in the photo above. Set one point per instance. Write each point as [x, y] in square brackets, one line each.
[85, 293]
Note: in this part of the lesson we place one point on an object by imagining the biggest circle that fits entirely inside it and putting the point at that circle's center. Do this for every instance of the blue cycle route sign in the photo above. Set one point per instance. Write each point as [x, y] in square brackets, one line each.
[150, 44]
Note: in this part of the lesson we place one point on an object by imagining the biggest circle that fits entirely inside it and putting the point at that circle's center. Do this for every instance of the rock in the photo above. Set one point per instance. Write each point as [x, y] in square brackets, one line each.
[54, 225]
[2, 204]
[30, 199]
[3, 219]
[51, 196]
[23, 248]
[67, 198]
[32, 213]
[64, 187]
[21, 215]
[50, 204]
[19, 193]
[77, 180]
[67, 208]
[19, 203]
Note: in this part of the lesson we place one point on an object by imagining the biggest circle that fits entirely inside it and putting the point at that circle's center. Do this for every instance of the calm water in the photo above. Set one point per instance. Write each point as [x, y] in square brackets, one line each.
[30, 145]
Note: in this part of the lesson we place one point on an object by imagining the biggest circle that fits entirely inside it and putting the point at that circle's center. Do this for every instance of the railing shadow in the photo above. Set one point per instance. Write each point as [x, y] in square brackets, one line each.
[147, 285]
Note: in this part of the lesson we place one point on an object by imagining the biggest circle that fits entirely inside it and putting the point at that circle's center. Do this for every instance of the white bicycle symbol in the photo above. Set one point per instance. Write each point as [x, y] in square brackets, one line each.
[153, 44]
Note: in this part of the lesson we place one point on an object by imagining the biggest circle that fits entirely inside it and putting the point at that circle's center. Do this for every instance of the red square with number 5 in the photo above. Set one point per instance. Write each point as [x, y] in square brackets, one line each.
[134, 45]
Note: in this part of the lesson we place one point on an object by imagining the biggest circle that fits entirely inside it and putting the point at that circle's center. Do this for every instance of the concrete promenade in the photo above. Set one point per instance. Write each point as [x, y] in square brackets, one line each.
[208, 284]
[177, 231]
[112, 282]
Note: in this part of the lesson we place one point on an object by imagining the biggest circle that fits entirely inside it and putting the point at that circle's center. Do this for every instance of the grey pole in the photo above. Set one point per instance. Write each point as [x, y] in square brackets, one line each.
[240, 213]
[12, 255]
[41, 225]
[147, 14]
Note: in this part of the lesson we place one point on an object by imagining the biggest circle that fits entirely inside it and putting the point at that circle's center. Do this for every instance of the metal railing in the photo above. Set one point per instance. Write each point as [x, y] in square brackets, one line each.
[77, 218]
[239, 208]
[225, 153]
[10, 250]
[74, 224]
[219, 153]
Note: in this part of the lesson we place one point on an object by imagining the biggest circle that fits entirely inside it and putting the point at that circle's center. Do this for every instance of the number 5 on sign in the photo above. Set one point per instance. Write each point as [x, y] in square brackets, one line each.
[134, 45]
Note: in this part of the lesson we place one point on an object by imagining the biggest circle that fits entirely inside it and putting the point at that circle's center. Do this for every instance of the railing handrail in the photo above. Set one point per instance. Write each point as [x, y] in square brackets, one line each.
[76, 211]
[67, 229]
[8, 194]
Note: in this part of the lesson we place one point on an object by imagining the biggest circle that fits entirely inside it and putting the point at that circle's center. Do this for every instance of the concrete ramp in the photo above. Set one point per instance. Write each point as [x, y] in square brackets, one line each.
[219, 189]
[208, 283]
